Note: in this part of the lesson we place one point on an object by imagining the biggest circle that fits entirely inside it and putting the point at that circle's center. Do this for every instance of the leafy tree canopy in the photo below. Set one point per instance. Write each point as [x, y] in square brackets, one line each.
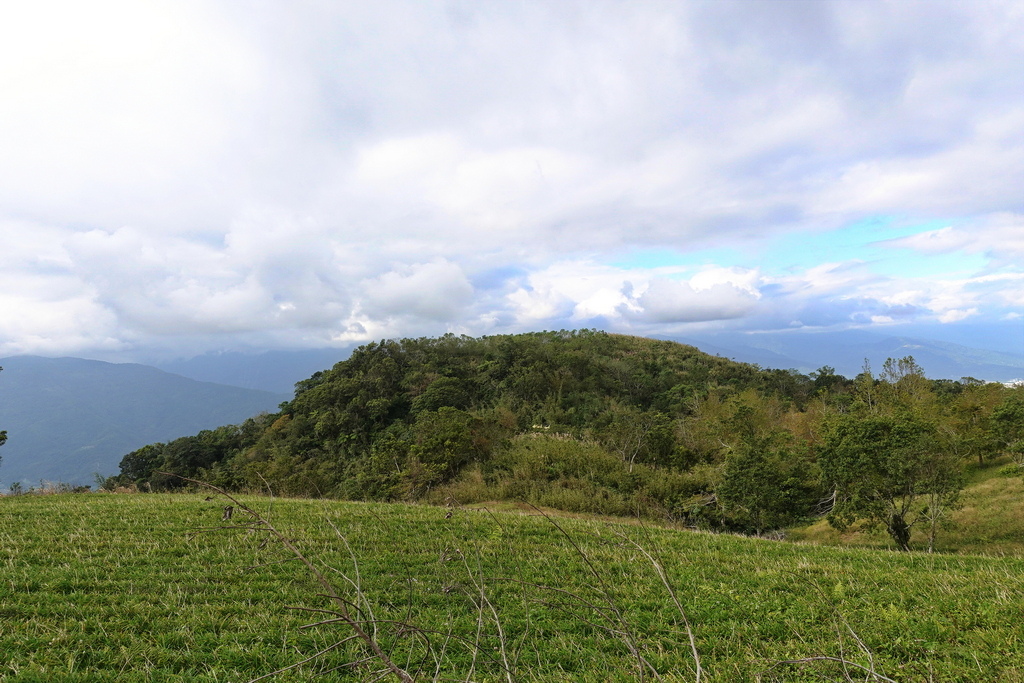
[880, 466]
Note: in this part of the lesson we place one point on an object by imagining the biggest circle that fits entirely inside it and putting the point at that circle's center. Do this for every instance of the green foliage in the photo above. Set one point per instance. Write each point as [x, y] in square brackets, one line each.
[1014, 469]
[443, 440]
[1016, 451]
[879, 467]
[591, 422]
[190, 456]
[139, 465]
[561, 472]
[769, 483]
[638, 436]
[399, 418]
[986, 518]
[826, 382]
[558, 471]
[1008, 423]
[967, 430]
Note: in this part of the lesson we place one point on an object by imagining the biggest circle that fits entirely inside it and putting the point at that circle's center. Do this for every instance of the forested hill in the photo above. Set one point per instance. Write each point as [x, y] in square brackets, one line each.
[552, 382]
[586, 421]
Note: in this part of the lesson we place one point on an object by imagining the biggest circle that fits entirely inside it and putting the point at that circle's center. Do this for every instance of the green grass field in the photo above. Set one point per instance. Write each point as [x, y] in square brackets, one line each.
[104, 587]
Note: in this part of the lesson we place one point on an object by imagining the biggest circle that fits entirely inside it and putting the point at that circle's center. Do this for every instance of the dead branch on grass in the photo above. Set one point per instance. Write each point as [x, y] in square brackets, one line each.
[845, 662]
[675, 599]
[624, 631]
[343, 611]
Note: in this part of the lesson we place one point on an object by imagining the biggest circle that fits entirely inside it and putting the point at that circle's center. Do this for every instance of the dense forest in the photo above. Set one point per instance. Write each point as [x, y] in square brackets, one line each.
[586, 421]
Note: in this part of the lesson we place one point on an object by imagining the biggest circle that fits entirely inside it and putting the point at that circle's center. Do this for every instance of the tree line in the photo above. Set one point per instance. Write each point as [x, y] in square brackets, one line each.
[594, 422]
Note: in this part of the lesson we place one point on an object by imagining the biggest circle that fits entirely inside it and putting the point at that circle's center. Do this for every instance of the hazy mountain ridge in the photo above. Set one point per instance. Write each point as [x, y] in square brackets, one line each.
[69, 418]
[275, 371]
[846, 352]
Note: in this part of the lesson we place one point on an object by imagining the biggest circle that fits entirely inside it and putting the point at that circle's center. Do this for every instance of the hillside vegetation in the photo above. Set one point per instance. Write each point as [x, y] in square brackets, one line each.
[129, 588]
[591, 422]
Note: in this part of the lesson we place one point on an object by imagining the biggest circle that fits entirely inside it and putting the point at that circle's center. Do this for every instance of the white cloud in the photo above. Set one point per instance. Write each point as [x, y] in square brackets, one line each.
[943, 240]
[955, 315]
[998, 236]
[53, 315]
[1007, 288]
[113, 110]
[578, 292]
[568, 291]
[974, 174]
[293, 173]
[670, 301]
[949, 300]
[438, 291]
[826, 279]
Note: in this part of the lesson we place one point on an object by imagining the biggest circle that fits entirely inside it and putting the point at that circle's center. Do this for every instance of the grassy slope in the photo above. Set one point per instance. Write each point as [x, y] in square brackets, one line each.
[991, 520]
[113, 587]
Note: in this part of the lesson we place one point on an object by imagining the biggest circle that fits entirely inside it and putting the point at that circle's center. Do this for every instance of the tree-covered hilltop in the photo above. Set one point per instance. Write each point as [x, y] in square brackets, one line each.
[589, 421]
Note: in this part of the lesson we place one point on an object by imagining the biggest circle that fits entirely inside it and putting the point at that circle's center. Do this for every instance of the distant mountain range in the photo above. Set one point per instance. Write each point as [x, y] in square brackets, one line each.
[275, 371]
[68, 419]
[846, 352]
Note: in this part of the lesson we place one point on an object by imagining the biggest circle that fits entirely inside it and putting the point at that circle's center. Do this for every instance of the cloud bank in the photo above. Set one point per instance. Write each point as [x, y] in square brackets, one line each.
[179, 177]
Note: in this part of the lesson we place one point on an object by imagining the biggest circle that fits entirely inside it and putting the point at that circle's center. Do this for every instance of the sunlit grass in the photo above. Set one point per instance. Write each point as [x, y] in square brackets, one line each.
[991, 520]
[117, 588]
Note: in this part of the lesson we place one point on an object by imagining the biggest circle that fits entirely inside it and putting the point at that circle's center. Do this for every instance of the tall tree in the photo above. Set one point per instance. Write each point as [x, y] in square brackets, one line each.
[903, 385]
[882, 468]
[1008, 424]
[967, 427]
[636, 435]
[767, 483]
[864, 389]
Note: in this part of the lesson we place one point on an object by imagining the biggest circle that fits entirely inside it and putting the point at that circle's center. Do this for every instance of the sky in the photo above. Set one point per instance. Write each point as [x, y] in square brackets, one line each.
[192, 176]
